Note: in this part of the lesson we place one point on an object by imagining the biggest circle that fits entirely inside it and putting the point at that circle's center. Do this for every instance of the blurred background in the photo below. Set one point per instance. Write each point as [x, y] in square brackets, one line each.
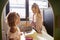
[23, 8]
[56, 8]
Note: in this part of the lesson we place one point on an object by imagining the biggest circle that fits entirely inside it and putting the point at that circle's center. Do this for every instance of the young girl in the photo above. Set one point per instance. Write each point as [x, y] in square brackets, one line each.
[13, 20]
[37, 21]
[37, 24]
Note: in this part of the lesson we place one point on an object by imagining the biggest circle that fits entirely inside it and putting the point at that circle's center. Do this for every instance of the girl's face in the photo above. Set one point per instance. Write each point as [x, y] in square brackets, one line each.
[34, 10]
[37, 10]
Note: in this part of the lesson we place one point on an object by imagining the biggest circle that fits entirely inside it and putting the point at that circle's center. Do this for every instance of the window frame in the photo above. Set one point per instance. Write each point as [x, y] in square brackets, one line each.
[27, 11]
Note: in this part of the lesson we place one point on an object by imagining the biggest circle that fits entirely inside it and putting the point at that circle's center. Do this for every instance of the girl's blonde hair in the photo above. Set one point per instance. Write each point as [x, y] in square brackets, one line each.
[36, 6]
[12, 18]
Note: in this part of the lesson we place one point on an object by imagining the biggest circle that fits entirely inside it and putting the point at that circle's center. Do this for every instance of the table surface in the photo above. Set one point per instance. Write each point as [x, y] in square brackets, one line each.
[43, 36]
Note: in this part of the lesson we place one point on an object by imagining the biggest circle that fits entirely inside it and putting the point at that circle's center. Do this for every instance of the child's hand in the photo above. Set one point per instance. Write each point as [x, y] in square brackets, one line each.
[33, 24]
[20, 33]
